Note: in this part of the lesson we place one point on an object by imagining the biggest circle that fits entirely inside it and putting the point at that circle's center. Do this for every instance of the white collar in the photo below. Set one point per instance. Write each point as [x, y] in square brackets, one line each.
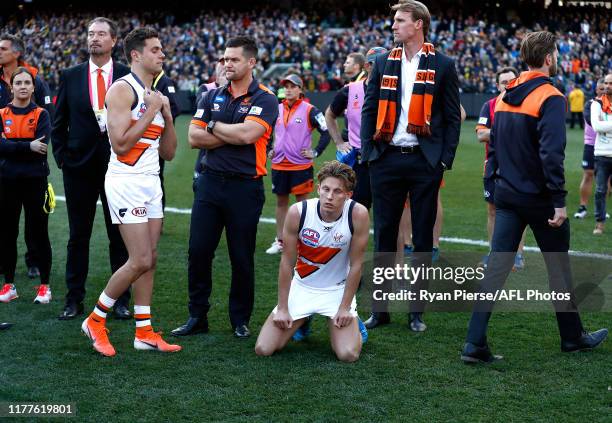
[106, 68]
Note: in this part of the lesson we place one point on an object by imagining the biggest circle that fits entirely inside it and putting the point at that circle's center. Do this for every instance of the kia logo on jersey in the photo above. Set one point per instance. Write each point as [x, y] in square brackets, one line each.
[310, 237]
[139, 212]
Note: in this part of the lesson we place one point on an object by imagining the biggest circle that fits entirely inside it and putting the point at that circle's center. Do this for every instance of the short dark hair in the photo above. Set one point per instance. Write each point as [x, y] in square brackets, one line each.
[359, 59]
[19, 71]
[248, 44]
[335, 169]
[535, 46]
[113, 29]
[17, 43]
[505, 70]
[418, 11]
[136, 40]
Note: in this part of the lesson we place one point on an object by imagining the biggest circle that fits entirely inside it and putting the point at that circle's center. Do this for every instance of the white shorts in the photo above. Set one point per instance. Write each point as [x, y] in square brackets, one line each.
[305, 301]
[133, 198]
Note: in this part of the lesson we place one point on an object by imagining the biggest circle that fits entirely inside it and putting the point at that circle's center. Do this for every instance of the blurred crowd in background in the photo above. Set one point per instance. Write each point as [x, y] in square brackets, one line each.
[317, 46]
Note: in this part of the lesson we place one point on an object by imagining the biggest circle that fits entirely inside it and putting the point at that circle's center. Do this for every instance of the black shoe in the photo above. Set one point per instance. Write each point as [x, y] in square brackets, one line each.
[4, 326]
[33, 272]
[121, 312]
[71, 310]
[242, 331]
[586, 342]
[474, 354]
[416, 322]
[377, 319]
[194, 325]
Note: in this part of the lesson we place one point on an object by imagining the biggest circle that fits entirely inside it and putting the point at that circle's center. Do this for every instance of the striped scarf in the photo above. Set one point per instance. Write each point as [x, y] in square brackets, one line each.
[419, 114]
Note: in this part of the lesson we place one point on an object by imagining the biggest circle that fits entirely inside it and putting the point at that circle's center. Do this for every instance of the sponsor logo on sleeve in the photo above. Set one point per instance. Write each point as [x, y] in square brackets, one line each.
[171, 89]
[199, 113]
[321, 121]
[47, 99]
[483, 121]
[255, 111]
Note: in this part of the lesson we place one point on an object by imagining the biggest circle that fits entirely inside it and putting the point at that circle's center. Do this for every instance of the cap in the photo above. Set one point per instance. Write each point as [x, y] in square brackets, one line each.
[373, 52]
[294, 79]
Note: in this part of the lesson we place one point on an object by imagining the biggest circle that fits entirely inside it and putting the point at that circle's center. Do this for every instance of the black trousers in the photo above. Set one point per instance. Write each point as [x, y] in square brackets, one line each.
[363, 191]
[576, 116]
[234, 204]
[510, 222]
[29, 194]
[393, 176]
[83, 187]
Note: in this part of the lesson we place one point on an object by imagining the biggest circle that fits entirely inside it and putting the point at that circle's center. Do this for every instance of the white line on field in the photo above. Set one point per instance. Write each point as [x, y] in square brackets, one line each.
[452, 240]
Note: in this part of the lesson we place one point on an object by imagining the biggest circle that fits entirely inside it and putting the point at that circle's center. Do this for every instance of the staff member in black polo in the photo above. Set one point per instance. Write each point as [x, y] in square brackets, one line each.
[233, 124]
[410, 125]
[525, 161]
[82, 151]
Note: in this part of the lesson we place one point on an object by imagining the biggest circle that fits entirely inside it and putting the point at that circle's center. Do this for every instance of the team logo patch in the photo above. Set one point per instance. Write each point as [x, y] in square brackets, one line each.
[310, 237]
[8, 122]
[338, 237]
[122, 212]
[219, 98]
[243, 109]
[139, 211]
[483, 121]
[171, 89]
[199, 113]
[216, 107]
[298, 120]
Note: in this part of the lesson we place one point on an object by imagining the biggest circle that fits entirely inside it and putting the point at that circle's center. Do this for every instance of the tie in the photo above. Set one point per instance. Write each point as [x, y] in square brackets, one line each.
[101, 90]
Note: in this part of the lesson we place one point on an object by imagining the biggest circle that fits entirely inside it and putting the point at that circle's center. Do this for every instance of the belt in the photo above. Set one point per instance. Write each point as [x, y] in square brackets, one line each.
[405, 150]
[229, 175]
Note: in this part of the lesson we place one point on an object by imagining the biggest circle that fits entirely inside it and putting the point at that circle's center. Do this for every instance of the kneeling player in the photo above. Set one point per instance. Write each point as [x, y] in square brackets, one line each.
[325, 239]
[140, 131]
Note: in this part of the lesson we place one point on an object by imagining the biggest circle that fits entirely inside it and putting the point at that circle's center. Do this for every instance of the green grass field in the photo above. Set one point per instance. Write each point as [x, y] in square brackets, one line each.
[401, 376]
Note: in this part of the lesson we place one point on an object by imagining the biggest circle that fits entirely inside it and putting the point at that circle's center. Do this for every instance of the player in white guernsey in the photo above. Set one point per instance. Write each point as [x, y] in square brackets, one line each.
[140, 130]
[324, 245]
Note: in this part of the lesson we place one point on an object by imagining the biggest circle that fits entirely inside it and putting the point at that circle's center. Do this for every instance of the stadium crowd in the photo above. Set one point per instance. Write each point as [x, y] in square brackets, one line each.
[319, 45]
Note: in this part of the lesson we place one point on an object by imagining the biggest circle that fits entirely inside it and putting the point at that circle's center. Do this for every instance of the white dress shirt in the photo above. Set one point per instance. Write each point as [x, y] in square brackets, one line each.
[402, 137]
[93, 80]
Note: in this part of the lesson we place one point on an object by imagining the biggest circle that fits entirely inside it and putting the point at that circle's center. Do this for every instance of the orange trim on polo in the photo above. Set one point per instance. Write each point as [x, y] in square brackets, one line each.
[199, 123]
[260, 121]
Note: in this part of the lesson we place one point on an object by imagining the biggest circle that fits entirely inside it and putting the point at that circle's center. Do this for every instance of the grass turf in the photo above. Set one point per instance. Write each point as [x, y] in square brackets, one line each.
[401, 376]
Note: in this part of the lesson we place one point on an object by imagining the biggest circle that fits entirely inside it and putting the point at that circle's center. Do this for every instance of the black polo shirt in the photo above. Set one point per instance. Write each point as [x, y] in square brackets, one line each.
[259, 104]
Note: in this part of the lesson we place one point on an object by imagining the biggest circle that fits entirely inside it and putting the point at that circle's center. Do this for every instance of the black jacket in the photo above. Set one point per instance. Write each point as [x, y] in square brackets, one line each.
[445, 114]
[76, 136]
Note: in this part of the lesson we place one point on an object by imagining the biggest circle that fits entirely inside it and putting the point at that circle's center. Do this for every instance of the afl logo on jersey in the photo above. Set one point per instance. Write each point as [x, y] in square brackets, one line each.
[139, 212]
[310, 237]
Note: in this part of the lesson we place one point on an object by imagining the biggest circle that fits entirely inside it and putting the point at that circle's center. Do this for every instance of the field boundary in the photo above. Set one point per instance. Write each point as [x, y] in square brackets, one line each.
[451, 240]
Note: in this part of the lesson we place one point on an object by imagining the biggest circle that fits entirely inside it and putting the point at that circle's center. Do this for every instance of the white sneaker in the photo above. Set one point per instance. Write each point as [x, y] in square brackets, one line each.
[581, 213]
[43, 294]
[8, 293]
[276, 247]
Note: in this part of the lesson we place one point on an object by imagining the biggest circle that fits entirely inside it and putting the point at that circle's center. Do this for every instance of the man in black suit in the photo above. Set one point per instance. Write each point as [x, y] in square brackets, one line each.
[82, 150]
[409, 132]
